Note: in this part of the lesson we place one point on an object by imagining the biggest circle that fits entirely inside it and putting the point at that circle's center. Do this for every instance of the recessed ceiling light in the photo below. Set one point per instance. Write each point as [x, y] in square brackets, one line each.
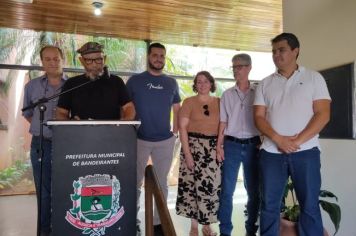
[97, 8]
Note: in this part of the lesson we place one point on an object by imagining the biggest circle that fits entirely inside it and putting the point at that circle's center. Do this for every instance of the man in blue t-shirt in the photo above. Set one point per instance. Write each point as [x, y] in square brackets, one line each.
[154, 95]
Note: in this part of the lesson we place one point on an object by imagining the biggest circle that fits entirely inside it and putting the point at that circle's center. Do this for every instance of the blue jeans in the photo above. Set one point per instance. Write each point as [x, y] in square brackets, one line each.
[304, 169]
[46, 178]
[235, 154]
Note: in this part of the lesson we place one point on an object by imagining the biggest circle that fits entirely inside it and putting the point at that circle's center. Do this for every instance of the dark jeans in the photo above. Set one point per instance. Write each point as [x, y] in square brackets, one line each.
[304, 169]
[235, 154]
[46, 178]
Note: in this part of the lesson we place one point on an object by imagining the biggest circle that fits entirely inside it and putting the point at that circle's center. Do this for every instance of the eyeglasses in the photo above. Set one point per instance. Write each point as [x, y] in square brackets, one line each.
[237, 67]
[89, 61]
[206, 111]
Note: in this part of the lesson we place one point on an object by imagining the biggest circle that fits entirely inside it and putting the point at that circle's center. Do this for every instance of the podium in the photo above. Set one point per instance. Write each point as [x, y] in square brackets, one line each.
[94, 178]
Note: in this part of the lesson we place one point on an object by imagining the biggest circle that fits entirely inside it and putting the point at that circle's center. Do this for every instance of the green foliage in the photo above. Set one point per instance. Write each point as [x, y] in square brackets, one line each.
[185, 88]
[221, 86]
[8, 176]
[332, 209]
[175, 68]
[127, 55]
[124, 55]
[12, 174]
[67, 42]
[292, 212]
[14, 46]
[5, 86]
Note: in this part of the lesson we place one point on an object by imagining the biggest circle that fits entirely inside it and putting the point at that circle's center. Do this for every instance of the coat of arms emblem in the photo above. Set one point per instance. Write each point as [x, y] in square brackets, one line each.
[95, 204]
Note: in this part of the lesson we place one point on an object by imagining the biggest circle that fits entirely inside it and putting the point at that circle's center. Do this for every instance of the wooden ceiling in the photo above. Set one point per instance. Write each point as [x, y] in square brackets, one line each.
[233, 24]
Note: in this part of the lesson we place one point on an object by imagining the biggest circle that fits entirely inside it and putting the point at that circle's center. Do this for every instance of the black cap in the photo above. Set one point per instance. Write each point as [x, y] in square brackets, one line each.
[90, 47]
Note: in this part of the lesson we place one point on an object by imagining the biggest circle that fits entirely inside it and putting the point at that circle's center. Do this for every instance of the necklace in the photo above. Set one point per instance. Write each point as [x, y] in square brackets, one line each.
[242, 99]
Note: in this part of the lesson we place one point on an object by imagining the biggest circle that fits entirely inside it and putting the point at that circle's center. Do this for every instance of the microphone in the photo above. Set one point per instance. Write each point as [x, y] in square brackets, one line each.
[106, 74]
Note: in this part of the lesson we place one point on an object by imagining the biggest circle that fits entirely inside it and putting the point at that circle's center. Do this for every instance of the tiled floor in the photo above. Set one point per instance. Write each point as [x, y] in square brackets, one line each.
[18, 214]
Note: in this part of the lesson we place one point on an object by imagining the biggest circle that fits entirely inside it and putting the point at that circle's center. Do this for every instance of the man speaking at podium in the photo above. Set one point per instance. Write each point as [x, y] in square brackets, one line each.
[95, 95]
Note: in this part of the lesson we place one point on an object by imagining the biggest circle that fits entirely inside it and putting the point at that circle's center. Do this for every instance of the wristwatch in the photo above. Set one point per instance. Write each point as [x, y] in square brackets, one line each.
[176, 135]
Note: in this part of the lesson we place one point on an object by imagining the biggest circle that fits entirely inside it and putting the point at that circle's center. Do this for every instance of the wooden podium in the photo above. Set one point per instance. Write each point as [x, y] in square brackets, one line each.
[94, 178]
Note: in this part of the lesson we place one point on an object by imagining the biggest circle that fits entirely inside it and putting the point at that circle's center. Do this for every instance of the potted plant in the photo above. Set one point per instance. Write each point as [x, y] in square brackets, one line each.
[290, 212]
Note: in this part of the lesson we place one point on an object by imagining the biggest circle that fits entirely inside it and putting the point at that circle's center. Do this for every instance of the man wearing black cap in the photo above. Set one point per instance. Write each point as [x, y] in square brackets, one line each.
[104, 98]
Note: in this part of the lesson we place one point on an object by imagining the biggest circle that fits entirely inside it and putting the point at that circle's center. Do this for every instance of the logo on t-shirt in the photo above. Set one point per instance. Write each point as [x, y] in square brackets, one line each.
[151, 86]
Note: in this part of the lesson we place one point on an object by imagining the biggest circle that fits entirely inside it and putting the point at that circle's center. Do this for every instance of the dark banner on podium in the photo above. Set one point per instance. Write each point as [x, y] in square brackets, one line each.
[94, 178]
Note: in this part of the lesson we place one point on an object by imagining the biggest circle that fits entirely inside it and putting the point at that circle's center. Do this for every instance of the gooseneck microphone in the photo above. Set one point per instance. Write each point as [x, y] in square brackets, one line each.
[106, 74]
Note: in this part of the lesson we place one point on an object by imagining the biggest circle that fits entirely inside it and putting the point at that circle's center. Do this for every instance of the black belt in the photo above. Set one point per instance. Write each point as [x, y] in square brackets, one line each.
[253, 140]
[199, 135]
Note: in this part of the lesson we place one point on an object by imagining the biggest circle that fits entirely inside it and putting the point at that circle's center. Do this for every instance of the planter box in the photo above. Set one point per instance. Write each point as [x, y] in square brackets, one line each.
[289, 228]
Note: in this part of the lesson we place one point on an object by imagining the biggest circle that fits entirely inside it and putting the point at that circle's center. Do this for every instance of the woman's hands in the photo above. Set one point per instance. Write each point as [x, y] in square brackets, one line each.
[189, 161]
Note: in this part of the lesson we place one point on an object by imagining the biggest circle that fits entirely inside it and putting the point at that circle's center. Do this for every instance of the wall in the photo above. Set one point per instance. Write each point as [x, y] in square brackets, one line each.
[15, 139]
[327, 32]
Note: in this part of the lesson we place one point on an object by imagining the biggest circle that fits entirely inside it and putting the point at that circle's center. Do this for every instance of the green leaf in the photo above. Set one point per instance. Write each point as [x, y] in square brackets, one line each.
[334, 213]
[291, 213]
[332, 209]
[325, 193]
[286, 191]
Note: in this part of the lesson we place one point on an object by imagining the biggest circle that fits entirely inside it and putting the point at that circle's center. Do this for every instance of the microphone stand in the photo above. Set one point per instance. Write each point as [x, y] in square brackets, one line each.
[42, 108]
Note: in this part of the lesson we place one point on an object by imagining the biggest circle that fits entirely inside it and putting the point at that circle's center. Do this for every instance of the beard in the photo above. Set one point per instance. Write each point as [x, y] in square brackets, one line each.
[153, 67]
[94, 73]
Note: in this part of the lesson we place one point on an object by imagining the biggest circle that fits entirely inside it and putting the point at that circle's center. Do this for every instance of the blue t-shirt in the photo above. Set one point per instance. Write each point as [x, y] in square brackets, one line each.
[153, 97]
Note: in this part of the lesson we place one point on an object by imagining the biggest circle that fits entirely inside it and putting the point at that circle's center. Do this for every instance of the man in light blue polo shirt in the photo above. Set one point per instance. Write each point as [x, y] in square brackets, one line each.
[291, 107]
[45, 86]
[154, 96]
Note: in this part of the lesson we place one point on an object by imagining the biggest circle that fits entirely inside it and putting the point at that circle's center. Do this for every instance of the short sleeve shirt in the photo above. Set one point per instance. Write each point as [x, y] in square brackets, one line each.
[101, 99]
[236, 110]
[289, 103]
[200, 121]
[36, 89]
[153, 97]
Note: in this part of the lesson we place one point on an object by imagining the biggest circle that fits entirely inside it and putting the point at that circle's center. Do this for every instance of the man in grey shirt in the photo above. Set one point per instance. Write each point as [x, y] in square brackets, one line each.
[238, 142]
[45, 86]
